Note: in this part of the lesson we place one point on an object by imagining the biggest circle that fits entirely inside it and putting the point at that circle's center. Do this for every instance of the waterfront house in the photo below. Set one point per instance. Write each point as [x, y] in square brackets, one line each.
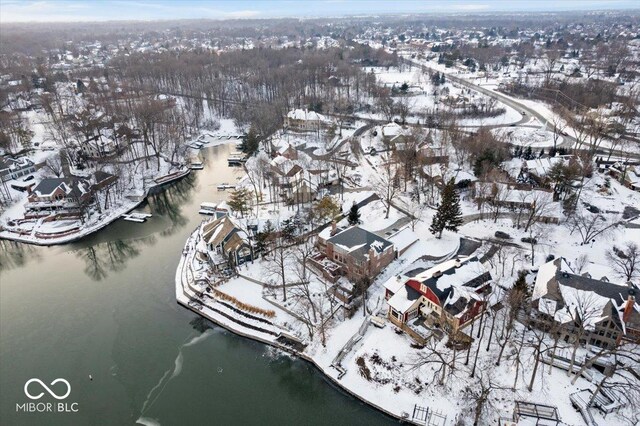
[598, 312]
[227, 243]
[450, 295]
[358, 253]
[60, 196]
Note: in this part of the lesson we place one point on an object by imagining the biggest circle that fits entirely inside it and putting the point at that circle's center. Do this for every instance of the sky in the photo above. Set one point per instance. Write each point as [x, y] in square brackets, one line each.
[108, 10]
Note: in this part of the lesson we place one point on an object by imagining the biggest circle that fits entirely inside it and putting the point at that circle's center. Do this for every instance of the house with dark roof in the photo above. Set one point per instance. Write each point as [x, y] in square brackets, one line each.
[14, 168]
[62, 196]
[360, 254]
[225, 243]
[598, 312]
[450, 294]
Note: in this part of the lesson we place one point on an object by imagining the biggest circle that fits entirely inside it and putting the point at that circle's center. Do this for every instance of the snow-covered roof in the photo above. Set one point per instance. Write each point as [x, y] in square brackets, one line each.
[404, 299]
[392, 129]
[455, 283]
[403, 239]
[305, 115]
[541, 166]
[395, 283]
[358, 241]
[578, 296]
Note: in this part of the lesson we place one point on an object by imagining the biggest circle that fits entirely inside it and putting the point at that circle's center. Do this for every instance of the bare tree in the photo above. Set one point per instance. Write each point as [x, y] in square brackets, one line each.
[625, 261]
[54, 163]
[278, 265]
[583, 309]
[479, 394]
[385, 184]
[590, 225]
[442, 359]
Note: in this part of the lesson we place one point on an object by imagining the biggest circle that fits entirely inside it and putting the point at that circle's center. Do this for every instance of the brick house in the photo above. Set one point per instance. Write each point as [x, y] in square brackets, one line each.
[359, 253]
[63, 196]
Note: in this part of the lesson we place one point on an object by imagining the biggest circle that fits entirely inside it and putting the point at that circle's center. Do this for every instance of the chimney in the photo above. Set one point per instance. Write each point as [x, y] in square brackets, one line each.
[333, 227]
[628, 309]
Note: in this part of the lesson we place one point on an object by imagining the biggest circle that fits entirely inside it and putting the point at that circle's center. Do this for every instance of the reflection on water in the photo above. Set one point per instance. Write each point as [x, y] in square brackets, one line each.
[169, 203]
[110, 256]
[129, 333]
[16, 255]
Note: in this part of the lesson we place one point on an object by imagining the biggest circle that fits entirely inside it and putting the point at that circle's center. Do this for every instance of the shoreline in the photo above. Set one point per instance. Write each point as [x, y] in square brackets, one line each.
[183, 298]
[11, 236]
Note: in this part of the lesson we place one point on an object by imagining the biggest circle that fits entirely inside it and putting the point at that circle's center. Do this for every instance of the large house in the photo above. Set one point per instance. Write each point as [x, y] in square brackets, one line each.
[304, 120]
[354, 253]
[226, 243]
[14, 168]
[99, 146]
[62, 196]
[290, 176]
[598, 312]
[360, 254]
[449, 295]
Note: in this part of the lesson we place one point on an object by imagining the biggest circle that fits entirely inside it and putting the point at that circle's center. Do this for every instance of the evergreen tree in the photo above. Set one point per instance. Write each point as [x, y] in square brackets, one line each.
[251, 142]
[264, 237]
[528, 153]
[449, 215]
[520, 285]
[288, 231]
[354, 215]
[239, 200]
[326, 209]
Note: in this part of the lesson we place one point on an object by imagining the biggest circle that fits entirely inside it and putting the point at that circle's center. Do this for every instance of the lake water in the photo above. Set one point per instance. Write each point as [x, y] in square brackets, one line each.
[106, 307]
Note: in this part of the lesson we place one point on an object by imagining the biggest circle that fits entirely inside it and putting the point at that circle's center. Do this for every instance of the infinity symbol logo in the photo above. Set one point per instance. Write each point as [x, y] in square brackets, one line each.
[52, 393]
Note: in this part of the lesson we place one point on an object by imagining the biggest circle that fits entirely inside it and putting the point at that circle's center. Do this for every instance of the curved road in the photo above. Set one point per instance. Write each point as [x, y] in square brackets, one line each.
[567, 141]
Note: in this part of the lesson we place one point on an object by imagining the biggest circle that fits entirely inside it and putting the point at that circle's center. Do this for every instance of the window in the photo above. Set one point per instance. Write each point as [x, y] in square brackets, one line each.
[423, 288]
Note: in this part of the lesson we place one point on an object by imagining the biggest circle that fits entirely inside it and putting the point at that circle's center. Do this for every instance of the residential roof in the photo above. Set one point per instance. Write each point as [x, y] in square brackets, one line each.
[455, 283]
[306, 115]
[579, 295]
[404, 299]
[219, 231]
[70, 186]
[358, 242]
[14, 163]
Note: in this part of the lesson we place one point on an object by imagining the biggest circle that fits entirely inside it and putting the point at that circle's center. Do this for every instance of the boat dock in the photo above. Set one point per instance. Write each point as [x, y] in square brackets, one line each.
[208, 208]
[225, 186]
[136, 217]
[236, 160]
